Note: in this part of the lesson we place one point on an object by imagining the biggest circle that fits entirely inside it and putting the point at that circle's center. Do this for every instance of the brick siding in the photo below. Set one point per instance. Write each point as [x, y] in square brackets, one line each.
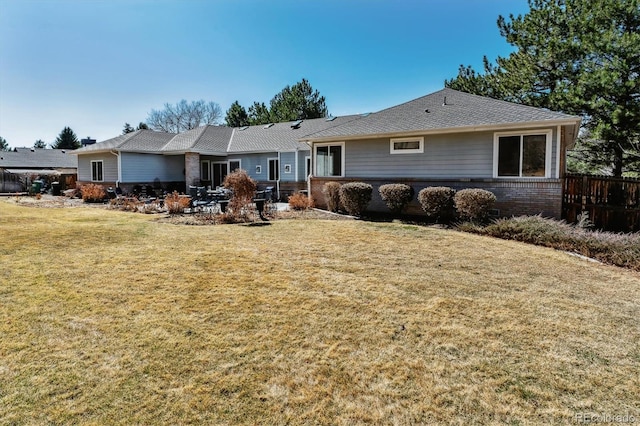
[514, 196]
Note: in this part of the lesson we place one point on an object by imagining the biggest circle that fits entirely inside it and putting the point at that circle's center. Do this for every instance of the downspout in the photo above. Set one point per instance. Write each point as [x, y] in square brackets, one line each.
[117, 154]
[308, 177]
[278, 180]
[296, 167]
[559, 152]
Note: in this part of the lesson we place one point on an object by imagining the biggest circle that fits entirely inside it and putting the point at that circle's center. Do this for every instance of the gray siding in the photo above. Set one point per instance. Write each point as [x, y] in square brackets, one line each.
[151, 167]
[109, 166]
[288, 158]
[250, 161]
[464, 155]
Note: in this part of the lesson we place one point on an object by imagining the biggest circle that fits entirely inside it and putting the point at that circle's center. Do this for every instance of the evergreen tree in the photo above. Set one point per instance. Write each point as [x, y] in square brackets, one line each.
[576, 56]
[127, 129]
[259, 114]
[4, 145]
[297, 102]
[142, 126]
[67, 139]
[236, 116]
[40, 144]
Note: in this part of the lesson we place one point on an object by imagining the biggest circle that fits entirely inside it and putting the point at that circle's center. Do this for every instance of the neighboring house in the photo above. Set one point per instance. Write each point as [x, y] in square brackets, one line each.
[22, 165]
[454, 139]
[271, 154]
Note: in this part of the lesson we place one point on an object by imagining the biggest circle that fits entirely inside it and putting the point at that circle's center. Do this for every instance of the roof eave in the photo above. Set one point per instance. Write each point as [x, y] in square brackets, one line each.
[449, 130]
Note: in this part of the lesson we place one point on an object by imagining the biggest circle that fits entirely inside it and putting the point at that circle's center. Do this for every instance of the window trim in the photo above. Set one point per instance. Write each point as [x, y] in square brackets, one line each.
[207, 168]
[101, 170]
[419, 150]
[315, 157]
[548, 133]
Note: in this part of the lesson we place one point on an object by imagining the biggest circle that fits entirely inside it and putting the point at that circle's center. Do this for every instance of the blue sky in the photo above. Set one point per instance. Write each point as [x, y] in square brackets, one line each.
[95, 64]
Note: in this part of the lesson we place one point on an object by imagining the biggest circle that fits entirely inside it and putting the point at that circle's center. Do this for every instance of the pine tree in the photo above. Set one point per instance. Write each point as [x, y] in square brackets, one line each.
[236, 116]
[67, 139]
[127, 129]
[579, 57]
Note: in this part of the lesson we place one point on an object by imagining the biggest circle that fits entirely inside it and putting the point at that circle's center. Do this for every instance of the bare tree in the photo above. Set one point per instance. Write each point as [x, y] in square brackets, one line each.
[184, 116]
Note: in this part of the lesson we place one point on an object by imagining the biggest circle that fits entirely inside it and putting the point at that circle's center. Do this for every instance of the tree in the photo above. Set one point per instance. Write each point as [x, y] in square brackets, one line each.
[184, 116]
[142, 126]
[67, 139]
[297, 102]
[127, 129]
[259, 114]
[236, 116]
[579, 57]
[4, 145]
[40, 144]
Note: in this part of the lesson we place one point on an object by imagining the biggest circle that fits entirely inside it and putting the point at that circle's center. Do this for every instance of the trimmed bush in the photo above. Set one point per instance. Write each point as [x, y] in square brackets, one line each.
[331, 192]
[396, 196]
[474, 204]
[355, 197]
[437, 202]
[299, 201]
[93, 193]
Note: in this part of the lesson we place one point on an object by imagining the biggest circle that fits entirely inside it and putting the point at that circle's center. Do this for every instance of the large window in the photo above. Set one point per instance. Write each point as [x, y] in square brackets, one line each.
[330, 159]
[96, 171]
[407, 146]
[274, 169]
[522, 155]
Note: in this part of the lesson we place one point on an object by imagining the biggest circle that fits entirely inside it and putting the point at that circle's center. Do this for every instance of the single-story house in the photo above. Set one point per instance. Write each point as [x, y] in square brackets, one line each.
[22, 165]
[272, 154]
[455, 139]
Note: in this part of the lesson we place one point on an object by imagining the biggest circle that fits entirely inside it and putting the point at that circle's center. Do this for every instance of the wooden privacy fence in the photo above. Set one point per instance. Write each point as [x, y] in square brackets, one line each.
[613, 204]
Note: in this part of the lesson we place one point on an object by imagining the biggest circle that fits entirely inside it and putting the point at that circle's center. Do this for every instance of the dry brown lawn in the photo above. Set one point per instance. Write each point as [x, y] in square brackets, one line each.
[109, 317]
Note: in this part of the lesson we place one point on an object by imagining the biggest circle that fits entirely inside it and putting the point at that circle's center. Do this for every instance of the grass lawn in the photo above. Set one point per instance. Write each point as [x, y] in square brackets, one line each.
[114, 318]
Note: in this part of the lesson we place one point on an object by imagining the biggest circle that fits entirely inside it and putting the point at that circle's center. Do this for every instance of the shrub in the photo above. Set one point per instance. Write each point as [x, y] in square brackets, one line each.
[300, 201]
[93, 193]
[355, 196]
[331, 192]
[474, 204]
[125, 204]
[396, 196]
[437, 202]
[176, 203]
[616, 249]
[243, 189]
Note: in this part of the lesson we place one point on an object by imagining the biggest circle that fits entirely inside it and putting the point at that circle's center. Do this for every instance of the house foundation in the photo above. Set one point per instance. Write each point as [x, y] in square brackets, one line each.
[515, 197]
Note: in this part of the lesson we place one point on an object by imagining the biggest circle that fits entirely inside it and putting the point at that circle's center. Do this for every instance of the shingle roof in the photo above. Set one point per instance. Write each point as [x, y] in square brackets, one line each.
[282, 136]
[431, 113]
[205, 139]
[27, 158]
[138, 141]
